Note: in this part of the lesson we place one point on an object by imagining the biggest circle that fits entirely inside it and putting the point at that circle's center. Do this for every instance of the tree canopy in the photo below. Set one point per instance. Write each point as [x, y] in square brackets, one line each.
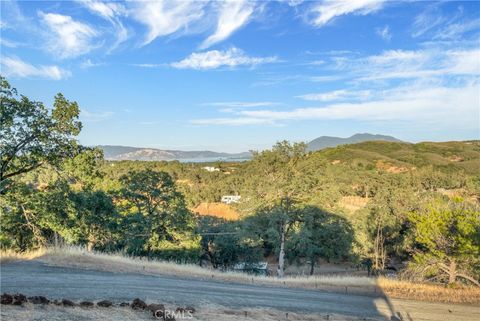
[31, 135]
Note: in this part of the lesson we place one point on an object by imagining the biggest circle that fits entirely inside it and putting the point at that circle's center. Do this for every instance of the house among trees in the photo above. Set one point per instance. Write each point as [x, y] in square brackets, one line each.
[211, 169]
[228, 199]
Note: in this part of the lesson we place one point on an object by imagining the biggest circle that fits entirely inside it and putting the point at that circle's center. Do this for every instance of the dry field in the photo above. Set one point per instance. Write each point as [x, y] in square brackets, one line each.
[80, 258]
[219, 210]
[10, 256]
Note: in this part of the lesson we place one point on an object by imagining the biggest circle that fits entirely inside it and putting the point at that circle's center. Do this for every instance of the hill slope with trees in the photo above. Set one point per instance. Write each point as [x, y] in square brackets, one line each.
[380, 205]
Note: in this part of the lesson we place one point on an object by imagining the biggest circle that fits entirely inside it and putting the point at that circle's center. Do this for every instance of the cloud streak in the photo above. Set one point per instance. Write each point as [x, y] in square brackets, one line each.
[164, 18]
[433, 105]
[111, 12]
[326, 11]
[233, 15]
[384, 33]
[412, 64]
[94, 117]
[336, 95]
[240, 104]
[68, 38]
[15, 67]
[214, 59]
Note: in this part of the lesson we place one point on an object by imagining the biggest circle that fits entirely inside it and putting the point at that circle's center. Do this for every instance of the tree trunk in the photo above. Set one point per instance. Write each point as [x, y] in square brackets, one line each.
[281, 256]
[379, 249]
[312, 265]
[376, 248]
[452, 272]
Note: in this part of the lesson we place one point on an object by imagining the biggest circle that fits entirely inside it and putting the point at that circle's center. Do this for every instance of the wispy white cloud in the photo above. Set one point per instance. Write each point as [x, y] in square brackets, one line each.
[440, 107]
[240, 121]
[146, 65]
[437, 25]
[317, 62]
[110, 11]
[457, 29]
[458, 104]
[233, 14]
[337, 95]
[384, 33]
[107, 10]
[412, 64]
[427, 20]
[15, 67]
[240, 104]
[88, 63]
[69, 38]
[8, 43]
[89, 116]
[213, 59]
[323, 12]
[164, 18]
[276, 79]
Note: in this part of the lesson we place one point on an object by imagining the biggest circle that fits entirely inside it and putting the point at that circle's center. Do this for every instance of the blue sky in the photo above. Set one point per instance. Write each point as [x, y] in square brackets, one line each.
[239, 75]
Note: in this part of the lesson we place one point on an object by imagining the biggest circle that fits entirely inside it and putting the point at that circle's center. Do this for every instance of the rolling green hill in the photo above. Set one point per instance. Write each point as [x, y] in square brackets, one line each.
[329, 141]
[449, 156]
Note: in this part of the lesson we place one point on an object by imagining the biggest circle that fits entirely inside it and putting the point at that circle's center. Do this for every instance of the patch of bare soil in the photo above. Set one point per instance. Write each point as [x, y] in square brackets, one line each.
[455, 158]
[390, 168]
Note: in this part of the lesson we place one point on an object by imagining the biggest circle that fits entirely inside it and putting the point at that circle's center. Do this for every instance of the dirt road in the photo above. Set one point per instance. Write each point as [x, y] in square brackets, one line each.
[36, 278]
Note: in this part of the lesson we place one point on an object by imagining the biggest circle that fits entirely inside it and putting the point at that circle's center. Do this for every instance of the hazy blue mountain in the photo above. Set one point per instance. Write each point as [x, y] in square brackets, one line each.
[152, 154]
[329, 141]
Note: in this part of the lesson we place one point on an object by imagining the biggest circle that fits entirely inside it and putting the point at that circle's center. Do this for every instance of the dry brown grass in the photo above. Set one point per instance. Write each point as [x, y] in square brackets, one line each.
[428, 292]
[31, 312]
[11, 256]
[218, 210]
[80, 258]
[353, 203]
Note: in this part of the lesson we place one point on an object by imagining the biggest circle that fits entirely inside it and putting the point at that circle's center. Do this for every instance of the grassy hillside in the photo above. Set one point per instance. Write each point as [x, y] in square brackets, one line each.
[328, 141]
[447, 156]
[351, 191]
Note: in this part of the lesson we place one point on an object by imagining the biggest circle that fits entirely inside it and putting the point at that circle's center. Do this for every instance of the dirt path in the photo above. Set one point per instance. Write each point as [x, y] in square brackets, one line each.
[35, 278]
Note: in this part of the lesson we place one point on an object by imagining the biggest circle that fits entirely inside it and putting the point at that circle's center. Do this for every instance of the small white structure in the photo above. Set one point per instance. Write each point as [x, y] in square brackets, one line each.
[228, 199]
[211, 169]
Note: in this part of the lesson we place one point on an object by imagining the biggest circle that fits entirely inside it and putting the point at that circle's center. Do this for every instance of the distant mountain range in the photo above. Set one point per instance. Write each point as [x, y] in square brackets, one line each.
[323, 142]
[152, 154]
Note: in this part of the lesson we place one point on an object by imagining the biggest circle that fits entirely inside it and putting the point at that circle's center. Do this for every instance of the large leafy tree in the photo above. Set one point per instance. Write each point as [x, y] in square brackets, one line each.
[32, 217]
[156, 214]
[224, 244]
[275, 186]
[448, 242]
[31, 135]
[321, 235]
[96, 218]
[387, 225]
[48, 206]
